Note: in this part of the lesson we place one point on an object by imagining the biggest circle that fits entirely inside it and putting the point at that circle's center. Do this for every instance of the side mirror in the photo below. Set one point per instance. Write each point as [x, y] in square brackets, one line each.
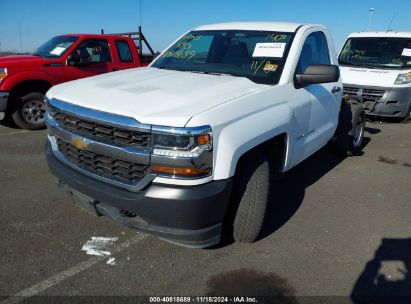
[80, 59]
[318, 73]
[73, 59]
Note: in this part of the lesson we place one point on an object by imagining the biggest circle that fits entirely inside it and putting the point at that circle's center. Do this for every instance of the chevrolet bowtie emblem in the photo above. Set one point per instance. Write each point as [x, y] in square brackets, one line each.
[79, 143]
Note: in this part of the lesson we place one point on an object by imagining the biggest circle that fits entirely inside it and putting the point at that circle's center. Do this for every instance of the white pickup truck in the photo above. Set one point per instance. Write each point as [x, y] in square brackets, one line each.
[186, 148]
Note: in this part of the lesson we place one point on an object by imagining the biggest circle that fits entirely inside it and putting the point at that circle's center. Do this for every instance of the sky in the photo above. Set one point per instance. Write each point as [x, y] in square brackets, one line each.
[164, 20]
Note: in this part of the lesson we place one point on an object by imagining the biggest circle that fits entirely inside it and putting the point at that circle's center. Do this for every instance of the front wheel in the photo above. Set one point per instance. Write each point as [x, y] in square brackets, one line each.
[30, 111]
[250, 196]
[350, 131]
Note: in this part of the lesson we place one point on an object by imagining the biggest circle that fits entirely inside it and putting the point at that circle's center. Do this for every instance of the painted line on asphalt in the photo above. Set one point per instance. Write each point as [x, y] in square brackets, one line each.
[12, 133]
[65, 274]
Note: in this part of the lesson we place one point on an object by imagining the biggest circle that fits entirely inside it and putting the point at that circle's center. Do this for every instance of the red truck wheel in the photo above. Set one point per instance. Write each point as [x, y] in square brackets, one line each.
[30, 112]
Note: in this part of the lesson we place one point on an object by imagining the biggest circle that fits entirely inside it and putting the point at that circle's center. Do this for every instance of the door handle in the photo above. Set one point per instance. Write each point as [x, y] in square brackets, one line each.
[335, 89]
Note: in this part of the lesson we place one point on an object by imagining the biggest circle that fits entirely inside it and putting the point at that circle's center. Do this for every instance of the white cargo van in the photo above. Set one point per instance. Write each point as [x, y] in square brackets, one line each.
[376, 67]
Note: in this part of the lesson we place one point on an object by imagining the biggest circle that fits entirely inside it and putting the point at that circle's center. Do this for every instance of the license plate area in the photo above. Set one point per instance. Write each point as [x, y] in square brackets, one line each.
[85, 202]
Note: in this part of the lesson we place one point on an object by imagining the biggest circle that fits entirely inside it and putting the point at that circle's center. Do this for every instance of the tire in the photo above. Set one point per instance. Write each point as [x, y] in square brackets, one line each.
[29, 111]
[350, 131]
[407, 117]
[250, 196]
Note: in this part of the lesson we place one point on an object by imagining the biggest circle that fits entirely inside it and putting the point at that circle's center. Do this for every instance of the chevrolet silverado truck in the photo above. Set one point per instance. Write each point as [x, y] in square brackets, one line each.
[376, 67]
[186, 148]
[25, 79]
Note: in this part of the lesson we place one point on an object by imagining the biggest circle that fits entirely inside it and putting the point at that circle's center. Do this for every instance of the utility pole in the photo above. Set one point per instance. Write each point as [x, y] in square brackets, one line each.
[21, 40]
[372, 11]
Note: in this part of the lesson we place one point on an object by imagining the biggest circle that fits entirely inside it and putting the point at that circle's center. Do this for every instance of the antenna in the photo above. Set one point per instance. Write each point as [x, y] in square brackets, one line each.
[392, 19]
[21, 40]
[372, 11]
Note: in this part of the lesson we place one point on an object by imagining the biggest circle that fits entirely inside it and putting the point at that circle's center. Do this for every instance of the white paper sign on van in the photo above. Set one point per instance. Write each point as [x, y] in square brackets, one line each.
[406, 52]
[273, 49]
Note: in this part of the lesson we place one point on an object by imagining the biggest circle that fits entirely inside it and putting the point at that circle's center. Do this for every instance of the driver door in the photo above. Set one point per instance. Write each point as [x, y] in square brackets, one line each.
[316, 105]
[94, 57]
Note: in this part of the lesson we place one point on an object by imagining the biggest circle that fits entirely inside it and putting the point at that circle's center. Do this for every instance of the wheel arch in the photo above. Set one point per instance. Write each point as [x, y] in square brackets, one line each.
[276, 146]
[31, 85]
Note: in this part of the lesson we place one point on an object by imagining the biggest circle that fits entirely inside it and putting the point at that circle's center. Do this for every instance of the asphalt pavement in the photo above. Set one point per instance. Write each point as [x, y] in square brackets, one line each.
[336, 227]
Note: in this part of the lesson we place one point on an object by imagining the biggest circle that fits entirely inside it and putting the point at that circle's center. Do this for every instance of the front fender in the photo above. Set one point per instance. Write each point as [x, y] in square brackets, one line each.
[247, 132]
[243, 123]
[14, 79]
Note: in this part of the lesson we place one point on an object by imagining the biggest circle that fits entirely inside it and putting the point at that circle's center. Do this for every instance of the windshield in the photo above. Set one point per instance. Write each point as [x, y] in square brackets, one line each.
[256, 55]
[378, 52]
[55, 47]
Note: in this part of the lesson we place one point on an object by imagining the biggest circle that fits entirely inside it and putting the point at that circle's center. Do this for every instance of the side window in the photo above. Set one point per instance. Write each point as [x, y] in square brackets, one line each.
[315, 51]
[124, 51]
[94, 51]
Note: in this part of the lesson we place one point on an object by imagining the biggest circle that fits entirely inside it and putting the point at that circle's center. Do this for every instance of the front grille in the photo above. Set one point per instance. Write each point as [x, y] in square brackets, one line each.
[105, 166]
[367, 94]
[103, 133]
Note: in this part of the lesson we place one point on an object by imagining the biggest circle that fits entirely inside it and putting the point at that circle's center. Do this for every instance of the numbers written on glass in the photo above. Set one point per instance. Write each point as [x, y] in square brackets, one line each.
[181, 54]
[397, 61]
[357, 53]
[276, 37]
[182, 49]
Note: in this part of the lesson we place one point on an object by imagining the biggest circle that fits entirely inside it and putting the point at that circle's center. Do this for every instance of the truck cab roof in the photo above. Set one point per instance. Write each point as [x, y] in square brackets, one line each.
[381, 34]
[252, 25]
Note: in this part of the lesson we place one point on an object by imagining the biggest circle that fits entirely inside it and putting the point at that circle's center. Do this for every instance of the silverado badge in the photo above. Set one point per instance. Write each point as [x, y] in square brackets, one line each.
[79, 143]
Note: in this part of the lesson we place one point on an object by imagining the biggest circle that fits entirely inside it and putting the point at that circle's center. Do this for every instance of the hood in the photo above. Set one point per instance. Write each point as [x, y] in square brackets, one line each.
[154, 96]
[11, 61]
[369, 77]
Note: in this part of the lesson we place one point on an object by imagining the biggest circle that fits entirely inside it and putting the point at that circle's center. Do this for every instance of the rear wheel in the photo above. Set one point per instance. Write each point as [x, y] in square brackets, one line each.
[250, 196]
[350, 131]
[30, 111]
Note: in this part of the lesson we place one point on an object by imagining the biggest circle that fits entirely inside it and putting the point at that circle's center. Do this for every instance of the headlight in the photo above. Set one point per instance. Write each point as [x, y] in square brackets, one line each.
[182, 152]
[403, 78]
[3, 73]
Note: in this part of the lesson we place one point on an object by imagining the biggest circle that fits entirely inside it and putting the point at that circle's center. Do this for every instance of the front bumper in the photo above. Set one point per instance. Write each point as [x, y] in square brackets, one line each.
[4, 96]
[395, 102]
[189, 216]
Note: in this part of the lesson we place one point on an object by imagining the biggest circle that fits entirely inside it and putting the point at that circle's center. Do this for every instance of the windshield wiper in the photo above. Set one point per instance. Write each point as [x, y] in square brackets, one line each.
[171, 69]
[215, 73]
[357, 64]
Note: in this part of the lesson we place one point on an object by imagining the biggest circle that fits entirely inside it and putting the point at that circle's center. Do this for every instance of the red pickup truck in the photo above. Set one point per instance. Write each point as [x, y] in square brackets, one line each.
[25, 79]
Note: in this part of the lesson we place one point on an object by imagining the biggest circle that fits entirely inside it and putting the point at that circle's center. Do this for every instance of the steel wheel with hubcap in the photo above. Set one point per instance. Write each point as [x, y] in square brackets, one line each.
[30, 111]
[358, 133]
[350, 131]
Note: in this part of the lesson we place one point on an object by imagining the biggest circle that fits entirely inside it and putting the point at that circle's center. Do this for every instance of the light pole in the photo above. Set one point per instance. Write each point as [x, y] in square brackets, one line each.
[371, 10]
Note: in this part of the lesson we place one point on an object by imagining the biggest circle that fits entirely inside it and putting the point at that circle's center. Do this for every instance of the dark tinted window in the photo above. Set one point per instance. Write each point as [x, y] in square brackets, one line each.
[94, 51]
[377, 52]
[56, 46]
[256, 55]
[315, 51]
[124, 51]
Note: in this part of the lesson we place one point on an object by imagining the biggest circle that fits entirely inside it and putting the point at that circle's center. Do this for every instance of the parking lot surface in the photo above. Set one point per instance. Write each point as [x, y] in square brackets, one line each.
[336, 227]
